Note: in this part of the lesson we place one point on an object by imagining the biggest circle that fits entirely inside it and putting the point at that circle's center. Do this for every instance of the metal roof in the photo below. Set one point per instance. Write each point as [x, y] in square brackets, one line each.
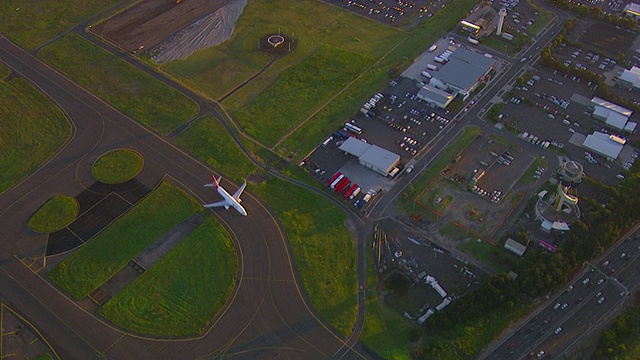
[631, 76]
[611, 106]
[464, 68]
[371, 154]
[436, 95]
[600, 143]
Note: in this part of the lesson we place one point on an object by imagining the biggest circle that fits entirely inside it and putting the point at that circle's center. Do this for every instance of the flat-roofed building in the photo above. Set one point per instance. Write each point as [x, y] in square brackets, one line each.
[630, 79]
[371, 156]
[603, 144]
[515, 247]
[612, 114]
[632, 10]
[464, 71]
[435, 97]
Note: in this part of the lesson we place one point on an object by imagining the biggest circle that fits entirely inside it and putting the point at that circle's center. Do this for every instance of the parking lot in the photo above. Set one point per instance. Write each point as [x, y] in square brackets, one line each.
[392, 12]
[394, 119]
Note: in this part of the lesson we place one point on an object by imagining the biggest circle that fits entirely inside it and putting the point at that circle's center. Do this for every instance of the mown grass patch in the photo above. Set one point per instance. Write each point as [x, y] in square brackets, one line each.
[4, 71]
[527, 177]
[32, 23]
[183, 291]
[208, 140]
[501, 45]
[216, 71]
[117, 166]
[323, 249]
[55, 214]
[374, 79]
[132, 91]
[100, 258]
[485, 252]
[32, 130]
[544, 18]
[298, 91]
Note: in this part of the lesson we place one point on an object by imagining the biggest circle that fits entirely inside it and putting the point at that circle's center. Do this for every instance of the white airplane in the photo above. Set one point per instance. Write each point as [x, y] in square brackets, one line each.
[229, 200]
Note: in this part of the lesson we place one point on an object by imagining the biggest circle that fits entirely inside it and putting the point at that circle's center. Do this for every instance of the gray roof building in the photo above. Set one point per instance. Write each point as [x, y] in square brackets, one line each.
[371, 156]
[602, 144]
[464, 70]
[434, 96]
[515, 247]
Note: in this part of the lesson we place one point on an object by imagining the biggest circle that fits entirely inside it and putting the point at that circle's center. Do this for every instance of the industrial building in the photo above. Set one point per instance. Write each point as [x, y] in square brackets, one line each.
[612, 114]
[604, 144]
[464, 71]
[435, 97]
[371, 156]
[515, 247]
[630, 79]
[632, 10]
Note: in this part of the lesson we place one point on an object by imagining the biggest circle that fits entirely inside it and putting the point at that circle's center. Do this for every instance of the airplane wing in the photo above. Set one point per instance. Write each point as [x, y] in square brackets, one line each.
[237, 194]
[217, 204]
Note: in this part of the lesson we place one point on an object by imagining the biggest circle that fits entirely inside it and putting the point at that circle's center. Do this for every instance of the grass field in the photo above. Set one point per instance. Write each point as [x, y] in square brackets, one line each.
[484, 252]
[385, 331]
[4, 71]
[208, 140]
[499, 44]
[45, 19]
[133, 92]
[323, 250]
[117, 166]
[298, 91]
[373, 80]
[218, 70]
[450, 152]
[543, 20]
[96, 261]
[55, 214]
[183, 291]
[32, 130]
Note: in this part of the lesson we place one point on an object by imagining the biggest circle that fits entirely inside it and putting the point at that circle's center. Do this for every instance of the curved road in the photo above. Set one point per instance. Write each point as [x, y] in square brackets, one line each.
[266, 316]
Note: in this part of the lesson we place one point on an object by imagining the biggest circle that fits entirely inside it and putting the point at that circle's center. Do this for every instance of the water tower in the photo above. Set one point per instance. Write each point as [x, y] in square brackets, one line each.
[501, 16]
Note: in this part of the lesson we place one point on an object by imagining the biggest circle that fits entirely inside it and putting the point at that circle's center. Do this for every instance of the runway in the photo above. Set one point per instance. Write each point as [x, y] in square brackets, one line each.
[267, 315]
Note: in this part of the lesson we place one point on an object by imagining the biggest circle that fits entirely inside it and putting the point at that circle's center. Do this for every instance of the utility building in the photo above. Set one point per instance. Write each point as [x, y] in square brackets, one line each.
[464, 72]
[371, 156]
[603, 144]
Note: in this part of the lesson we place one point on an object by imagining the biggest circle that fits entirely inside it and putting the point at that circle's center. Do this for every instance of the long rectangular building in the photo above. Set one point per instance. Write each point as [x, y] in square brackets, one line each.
[371, 156]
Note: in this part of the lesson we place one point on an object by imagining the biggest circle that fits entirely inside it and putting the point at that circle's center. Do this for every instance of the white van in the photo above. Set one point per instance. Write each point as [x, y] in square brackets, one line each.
[566, 122]
[432, 67]
[426, 74]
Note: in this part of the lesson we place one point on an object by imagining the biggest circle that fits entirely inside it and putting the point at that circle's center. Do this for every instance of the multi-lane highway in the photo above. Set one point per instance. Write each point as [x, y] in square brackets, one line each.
[267, 314]
[598, 292]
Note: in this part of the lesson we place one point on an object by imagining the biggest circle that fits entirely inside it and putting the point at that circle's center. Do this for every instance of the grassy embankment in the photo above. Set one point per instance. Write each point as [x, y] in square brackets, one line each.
[32, 23]
[32, 129]
[95, 262]
[133, 92]
[322, 247]
[117, 166]
[183, 291]
[55, 214]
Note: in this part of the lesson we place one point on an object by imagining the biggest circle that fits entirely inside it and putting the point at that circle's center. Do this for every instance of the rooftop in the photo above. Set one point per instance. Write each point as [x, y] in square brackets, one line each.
[611, 106]
[602, 144]
[464, 68]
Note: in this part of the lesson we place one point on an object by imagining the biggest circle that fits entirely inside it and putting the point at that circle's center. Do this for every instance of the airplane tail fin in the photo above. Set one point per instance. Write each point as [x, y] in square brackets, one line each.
[215, 183]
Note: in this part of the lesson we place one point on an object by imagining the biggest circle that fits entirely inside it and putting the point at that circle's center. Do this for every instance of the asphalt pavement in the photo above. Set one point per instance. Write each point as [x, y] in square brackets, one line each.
[267, 315]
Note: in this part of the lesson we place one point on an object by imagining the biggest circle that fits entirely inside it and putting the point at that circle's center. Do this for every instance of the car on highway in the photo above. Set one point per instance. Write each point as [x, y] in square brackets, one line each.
[558, 330]
[409, 169]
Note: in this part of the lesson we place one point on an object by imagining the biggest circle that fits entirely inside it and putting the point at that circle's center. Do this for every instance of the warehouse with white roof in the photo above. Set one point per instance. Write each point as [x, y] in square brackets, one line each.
[371, 156]
[630, 79]
[612, 114]
[603, 144]
[464, 71]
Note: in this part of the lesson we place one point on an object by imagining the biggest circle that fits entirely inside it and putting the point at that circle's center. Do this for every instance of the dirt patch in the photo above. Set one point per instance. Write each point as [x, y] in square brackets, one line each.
[607, 38]
[149, 22]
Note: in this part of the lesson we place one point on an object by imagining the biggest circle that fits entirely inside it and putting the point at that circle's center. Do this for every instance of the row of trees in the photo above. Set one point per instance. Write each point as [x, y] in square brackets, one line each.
[595, 13]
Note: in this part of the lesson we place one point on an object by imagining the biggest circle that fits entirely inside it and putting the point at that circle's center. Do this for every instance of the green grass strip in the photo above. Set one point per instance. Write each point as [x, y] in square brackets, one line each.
[32, 23]
[104, 255]
[208, 140]
[132, 91]
[32, 130]
[323, 249]
[55, 214]
[298, 91]
[183, 291]
[117, 166]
